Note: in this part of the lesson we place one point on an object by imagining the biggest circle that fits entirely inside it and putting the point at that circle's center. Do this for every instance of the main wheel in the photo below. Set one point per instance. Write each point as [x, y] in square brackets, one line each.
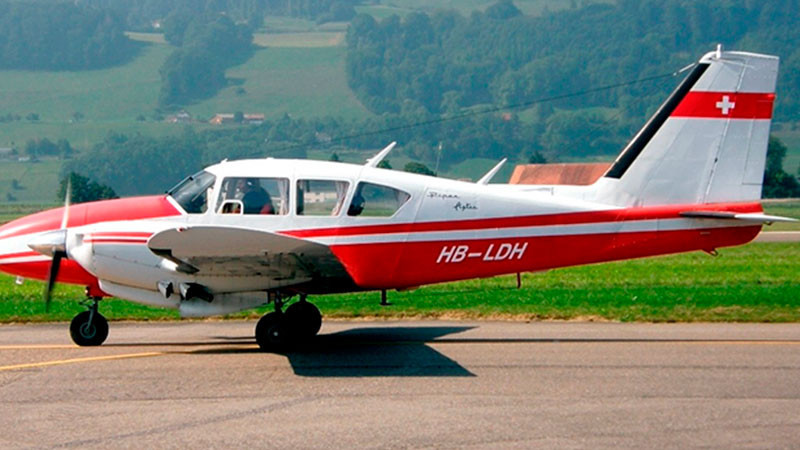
[86, 333]
[304, 319]
[271, 331]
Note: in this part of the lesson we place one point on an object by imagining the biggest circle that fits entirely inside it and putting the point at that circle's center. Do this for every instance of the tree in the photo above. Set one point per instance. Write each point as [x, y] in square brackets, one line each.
[502, 10]
[82, 189]
[334, 157]
[778, 183]
[384, 164]
[415, 167]
[537, 158]
[140, 164]
[64, 149]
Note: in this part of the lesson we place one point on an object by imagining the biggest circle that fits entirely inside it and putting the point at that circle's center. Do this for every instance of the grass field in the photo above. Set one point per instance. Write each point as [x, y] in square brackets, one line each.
[150, 38]
[465, 7]
[757, 282]
[108, 95]
[303, 82]
[37, 184]
[282, 24]
[300, 40]
[302, 74]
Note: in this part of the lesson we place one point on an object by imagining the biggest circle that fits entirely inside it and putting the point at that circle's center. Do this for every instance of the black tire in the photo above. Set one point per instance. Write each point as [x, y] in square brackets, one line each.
[271, 332]
[303, 319]
[88, 334]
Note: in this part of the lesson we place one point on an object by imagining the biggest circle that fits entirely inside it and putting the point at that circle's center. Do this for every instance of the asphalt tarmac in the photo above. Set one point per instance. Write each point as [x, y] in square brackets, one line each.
[404, 384]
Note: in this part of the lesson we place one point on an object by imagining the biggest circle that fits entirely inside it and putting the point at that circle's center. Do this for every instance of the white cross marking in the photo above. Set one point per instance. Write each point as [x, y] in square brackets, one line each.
[726, 105]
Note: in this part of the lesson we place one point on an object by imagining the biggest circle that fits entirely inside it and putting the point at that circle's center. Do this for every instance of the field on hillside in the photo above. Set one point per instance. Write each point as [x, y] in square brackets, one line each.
[757, 282]
[302, 82]
[36, 184]
[402, 7]
[300, 40]
[108, 95]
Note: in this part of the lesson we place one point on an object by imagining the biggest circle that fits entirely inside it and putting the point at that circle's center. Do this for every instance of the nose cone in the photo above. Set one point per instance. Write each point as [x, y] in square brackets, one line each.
[16, 257]
[25, 243]
[35, 223]
[49, 242]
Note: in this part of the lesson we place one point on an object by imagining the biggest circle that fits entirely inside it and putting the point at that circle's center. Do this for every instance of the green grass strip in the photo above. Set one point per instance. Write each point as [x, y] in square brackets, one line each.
[755, 283]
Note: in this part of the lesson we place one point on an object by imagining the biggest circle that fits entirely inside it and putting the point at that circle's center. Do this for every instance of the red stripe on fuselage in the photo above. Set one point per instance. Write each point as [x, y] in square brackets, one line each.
[612, 215]
[122, 234]
[405, 264]
[116, 241]
[726, 105]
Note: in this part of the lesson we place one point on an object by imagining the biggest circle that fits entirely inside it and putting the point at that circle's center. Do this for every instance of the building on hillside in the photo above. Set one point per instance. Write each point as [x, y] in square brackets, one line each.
[224, 118]
[181, 117]
[580, 174]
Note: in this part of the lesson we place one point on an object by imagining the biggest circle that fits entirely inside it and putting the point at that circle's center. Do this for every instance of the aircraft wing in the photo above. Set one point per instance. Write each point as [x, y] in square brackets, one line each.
[232, 251]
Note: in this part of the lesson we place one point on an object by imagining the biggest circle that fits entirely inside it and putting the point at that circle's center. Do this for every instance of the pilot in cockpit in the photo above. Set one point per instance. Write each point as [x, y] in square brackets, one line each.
[255, 198]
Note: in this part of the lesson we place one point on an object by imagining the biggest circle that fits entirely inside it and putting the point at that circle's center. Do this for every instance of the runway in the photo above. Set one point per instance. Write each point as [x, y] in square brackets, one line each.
[404, 384]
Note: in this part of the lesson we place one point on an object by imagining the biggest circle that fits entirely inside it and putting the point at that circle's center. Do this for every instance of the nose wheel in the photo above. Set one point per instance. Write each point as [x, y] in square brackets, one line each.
[89, 328]
[277, 330]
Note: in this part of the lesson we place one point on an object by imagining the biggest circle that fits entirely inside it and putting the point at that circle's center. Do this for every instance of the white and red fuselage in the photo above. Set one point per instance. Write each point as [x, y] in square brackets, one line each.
[704, 153]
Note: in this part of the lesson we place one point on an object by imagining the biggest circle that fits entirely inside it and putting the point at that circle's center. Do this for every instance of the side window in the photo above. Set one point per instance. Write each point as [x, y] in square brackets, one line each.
[249, 195]
[375, 200]
[320, 197]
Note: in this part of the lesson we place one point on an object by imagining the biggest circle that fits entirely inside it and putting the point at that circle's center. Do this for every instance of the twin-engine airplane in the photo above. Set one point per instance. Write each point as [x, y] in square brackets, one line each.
[240, 234]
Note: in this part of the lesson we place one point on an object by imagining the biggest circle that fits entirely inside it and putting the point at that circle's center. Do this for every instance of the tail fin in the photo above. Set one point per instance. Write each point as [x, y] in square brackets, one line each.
[707, 143]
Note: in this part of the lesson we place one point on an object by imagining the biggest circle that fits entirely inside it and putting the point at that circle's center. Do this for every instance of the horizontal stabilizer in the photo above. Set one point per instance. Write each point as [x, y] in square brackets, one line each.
[750, 217]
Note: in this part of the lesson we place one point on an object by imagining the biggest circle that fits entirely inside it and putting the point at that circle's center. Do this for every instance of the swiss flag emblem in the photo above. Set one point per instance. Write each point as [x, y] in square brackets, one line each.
[726, 105]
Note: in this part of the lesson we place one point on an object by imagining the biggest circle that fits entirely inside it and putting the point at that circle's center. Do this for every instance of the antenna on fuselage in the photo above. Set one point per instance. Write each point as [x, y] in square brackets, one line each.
[488, 177]
[375, 160]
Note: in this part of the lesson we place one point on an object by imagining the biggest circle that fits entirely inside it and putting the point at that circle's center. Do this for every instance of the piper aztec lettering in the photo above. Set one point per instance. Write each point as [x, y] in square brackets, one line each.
[241, 234]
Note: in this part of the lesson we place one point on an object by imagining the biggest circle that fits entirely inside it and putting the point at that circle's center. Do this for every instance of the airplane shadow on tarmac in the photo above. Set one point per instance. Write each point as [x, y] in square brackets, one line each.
[371, 352]
[377, 352]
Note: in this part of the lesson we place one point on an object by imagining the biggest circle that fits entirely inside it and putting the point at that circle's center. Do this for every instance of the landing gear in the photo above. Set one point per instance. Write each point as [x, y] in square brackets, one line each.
[89, 328]
[276, 330]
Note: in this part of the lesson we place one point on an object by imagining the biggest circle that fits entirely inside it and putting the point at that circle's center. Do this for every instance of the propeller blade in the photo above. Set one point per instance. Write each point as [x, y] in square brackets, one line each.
[59, 249]
[67, 197]
[55, 265]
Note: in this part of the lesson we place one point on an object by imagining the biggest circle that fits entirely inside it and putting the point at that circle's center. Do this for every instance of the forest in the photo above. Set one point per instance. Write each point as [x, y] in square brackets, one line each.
[61, 36]
[443, 63]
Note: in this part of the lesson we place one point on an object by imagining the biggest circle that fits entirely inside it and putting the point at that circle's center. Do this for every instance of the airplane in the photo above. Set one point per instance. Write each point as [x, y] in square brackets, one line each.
[242, 234]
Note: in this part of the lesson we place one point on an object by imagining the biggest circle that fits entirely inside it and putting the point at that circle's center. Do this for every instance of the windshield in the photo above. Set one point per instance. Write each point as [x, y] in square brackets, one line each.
[192, 193]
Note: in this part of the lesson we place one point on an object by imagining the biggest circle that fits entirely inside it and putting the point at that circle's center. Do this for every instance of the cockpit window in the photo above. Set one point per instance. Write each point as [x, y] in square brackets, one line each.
[255, 195]
[320, 197]
[192, 193]
[375, 200]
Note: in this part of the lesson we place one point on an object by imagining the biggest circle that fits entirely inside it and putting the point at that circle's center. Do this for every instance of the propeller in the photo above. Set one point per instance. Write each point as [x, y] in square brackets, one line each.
[54, 244]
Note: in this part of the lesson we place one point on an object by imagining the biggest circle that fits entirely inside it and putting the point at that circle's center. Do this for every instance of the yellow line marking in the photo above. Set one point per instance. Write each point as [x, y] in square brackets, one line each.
[79, 360]
[37, 347]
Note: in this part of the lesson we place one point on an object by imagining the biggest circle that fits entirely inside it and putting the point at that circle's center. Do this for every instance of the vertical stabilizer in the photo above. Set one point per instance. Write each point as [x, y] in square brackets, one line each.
[707, 143]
